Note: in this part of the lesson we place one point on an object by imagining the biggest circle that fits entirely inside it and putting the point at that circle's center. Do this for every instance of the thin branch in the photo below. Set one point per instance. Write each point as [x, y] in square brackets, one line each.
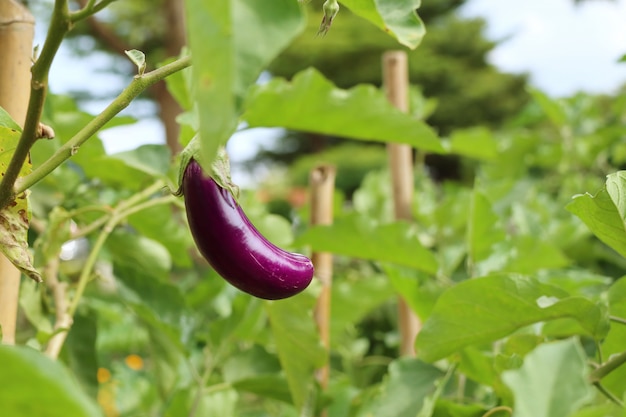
[63, 319]
[59, 26]
[617, 319]
[89, 8]
[608, 394]
[606, 368]
[101, 30]
[498, 409]
[138, 85]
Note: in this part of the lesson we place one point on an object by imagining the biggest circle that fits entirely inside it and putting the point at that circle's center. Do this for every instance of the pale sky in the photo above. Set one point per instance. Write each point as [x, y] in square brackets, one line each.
[565, 48]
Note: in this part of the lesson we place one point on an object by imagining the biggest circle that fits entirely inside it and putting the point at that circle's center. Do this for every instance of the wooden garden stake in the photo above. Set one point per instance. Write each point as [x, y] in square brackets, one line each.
[396, 83]
[17, 27]
[322, 183]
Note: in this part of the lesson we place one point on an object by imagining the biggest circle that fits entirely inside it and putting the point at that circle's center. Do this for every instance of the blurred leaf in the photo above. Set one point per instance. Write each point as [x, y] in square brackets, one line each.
[486, 309]
[406, 389]
[553, 109]
[162, 224]
[605, 213]
[31, 304]
[352, 300]
[398, 18]
[14, 219]
[140, 253]
[311, 103]
[258, 372]
[212, 404]
[297, 342]
[552, 382]
[361, 238]
[34, 385]
[79, 350]
[483, 230]
[7, 121]
[211, 39]
[477, 142]
[154, 160]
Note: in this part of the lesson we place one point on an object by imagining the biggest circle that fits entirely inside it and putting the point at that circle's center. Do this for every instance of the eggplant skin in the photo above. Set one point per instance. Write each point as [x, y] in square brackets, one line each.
[234, 247]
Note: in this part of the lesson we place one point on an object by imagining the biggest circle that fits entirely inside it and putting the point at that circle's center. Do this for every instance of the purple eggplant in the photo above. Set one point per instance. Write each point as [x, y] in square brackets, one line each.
[234, 247]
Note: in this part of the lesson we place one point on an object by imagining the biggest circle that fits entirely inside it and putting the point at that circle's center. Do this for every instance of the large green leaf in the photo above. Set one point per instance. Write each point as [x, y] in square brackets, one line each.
[396, 17]
[360, 237]
[311, 103]
[79, 350]
[34, 385]
[405, 391]
[211, 39]
[486, 309]
[297, 342]
[605, 212]
[616, 339]
[265, 29]
[552, 382]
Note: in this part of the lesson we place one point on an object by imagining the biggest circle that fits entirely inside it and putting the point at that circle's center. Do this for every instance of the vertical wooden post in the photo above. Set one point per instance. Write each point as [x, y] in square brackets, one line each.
[396, 83]
[17, 27]
[322, 183]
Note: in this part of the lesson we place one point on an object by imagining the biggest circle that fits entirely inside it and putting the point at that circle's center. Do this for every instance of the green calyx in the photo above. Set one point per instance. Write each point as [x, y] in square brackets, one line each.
[219, 169]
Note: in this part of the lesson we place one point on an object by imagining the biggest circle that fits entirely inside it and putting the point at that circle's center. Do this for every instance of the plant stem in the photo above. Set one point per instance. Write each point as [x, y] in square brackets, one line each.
[608, 394]
[606, 368]
[59, 25]
[90, 9]
[617, 319]
[138, 85]
[123, 209]
[498, 409]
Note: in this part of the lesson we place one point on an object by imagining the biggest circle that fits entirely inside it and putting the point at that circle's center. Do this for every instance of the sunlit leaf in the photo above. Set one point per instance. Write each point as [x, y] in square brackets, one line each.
[486, 309]
[398, 18]
[311, 103]
[552, 382]
[605, 212]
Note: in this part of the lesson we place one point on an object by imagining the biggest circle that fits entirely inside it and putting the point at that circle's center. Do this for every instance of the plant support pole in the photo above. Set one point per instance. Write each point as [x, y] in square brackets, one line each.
[17, 28]
[322, 183]
[396, 84]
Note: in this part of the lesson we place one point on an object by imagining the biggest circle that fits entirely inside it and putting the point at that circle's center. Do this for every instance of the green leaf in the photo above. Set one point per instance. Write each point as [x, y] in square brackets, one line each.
[553, 109]
[32, 306]
[605, 213]
[406, 389]
[15, 219]
[486, 309]
[483, 230]
[211, 38]
[7, 121]
[297, 342]
[616, 339]
[360, 237]
[138, 58]
[552, 382]
[79, 350]
[34, 385]
[141, 253]
[162, 224]
[311, 103]
[398, 18]
[477, 142]
[269, 28]
[154, 160]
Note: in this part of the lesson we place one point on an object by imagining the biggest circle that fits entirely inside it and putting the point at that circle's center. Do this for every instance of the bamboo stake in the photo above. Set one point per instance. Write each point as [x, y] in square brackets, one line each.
[17, 27]
[396, 82]
[322, 182]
